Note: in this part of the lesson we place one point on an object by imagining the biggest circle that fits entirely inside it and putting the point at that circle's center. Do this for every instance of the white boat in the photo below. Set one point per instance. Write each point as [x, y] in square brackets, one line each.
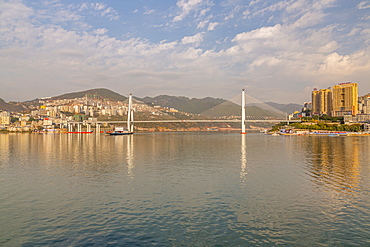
[120, 131]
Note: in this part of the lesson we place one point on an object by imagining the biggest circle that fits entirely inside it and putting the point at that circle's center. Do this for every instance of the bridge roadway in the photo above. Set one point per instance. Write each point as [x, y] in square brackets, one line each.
[190, 121]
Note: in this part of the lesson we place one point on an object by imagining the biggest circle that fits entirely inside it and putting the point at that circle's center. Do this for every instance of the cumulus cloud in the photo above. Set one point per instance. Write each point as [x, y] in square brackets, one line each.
[195, 39]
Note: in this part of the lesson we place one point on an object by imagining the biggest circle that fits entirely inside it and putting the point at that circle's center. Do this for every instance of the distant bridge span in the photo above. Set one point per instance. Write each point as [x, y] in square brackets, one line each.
[191, 121]
[213, 121]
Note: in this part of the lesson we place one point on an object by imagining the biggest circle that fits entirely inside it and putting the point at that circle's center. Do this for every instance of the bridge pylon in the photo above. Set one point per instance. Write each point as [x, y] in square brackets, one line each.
[243, 112]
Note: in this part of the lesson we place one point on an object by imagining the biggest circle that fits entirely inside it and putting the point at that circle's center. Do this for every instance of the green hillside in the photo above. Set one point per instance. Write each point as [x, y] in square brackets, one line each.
[184, 104]
[102, 92]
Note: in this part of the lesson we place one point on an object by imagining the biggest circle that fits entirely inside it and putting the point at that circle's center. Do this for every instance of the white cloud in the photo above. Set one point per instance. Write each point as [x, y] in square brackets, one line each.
[363, 5]
[329, 47]
[16, 10]
[186, 7]
[100, 31]
[308, 20]
[294, 6]
[246, 14]
[195, 39]
[204, 11]
[254, 2]
[354, 31]
[262, 33]
[66, 15]
[202, 24]
[98, 9]
[212, 26]
[323, 4]
[99, 6]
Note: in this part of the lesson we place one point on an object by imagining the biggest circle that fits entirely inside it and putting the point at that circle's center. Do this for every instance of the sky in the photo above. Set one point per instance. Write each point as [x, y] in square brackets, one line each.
[278, 50]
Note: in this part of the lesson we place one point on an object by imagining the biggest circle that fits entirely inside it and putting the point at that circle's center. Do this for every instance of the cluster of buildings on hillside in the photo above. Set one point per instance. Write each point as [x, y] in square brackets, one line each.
[48, 112]
[341, 100]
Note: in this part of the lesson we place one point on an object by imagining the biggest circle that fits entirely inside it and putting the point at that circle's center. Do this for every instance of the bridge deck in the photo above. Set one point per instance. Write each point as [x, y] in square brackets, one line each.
[193, 121]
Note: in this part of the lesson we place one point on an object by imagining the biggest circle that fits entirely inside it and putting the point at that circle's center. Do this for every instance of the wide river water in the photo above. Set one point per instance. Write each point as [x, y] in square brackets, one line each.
[184, 189]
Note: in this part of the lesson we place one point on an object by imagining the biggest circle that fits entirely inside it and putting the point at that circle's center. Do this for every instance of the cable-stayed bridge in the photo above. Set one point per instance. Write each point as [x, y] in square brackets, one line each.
[244, 111]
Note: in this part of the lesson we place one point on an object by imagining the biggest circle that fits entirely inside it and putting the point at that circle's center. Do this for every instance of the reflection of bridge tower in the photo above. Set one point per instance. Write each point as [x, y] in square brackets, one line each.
[130, 115]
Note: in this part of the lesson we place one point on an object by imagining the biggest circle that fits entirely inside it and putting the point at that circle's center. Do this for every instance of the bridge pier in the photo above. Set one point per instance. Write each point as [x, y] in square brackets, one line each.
[97, 129]
[70, 127]
[243, 113]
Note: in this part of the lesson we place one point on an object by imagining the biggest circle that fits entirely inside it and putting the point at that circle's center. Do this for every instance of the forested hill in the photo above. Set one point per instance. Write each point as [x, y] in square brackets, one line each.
[103, 93]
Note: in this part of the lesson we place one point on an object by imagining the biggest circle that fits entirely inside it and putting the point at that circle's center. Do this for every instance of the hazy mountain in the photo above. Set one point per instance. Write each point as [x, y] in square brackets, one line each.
[184, 104]
[12, 106]
[103, 93]
[212, 107]
[288, 108]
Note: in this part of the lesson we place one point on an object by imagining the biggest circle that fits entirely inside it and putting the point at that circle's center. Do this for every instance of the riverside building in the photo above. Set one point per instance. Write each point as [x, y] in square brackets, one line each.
[338, 101]
[364, 104]
[322, 102]
[345, 99]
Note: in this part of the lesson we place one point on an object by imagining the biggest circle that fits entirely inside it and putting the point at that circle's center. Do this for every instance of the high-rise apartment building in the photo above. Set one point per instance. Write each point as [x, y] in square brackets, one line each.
[322, 102]
[345, 99]
[364, 104]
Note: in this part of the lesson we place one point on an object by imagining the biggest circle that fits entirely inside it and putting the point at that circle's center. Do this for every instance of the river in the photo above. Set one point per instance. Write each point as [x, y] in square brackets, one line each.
[184, 189]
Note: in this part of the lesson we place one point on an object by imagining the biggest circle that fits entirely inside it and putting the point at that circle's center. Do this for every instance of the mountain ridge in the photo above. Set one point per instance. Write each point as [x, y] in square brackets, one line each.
[12, 106]
[208, 106]
[102, 92]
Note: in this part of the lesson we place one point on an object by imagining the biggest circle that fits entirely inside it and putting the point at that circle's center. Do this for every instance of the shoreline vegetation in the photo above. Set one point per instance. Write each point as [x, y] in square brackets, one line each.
[314, 125]
[320, 126]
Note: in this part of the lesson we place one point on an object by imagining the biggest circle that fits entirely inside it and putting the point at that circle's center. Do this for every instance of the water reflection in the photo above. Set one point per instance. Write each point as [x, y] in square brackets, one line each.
[243, 160]
[91, 155]
[130, 156]
[334, 162]
[174, 189]
[4, 149]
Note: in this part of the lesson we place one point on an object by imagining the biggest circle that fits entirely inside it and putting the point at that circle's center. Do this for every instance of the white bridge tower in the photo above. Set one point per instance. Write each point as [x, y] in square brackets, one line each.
[243, 112]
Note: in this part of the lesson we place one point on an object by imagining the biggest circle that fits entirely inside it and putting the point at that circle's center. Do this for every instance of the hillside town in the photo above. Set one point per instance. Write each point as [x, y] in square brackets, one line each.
[49, 113]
